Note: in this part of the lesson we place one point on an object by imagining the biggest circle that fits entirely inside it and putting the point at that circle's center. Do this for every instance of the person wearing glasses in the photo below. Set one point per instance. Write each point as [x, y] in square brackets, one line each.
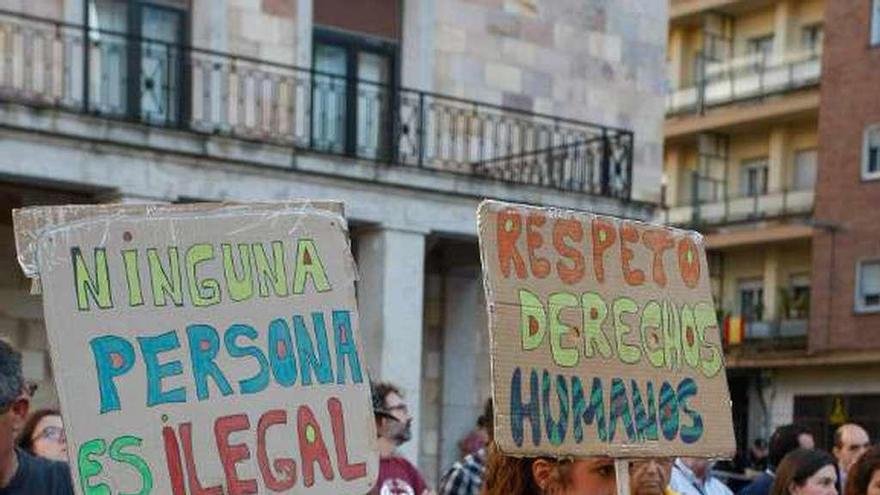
[394, 428]
[43, 435]
[20, 472]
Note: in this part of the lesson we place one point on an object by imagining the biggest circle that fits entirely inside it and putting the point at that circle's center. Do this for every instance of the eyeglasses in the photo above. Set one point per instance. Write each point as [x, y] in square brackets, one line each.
[52, 433]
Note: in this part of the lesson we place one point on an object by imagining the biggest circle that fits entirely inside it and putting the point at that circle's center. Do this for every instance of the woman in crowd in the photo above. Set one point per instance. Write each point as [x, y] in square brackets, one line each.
[806, 472]
[507, 475]
[43, 435]
[864, 475]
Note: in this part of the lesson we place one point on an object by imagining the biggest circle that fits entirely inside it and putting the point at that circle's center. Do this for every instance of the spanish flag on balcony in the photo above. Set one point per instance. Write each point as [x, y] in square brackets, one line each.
[734, 329]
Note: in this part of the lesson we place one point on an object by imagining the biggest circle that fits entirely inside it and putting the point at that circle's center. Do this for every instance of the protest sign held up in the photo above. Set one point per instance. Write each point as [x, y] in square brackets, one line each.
[604, 337]
[207, 349]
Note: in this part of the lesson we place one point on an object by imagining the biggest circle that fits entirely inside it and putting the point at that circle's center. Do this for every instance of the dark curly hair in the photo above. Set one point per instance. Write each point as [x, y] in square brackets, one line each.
[381, 390]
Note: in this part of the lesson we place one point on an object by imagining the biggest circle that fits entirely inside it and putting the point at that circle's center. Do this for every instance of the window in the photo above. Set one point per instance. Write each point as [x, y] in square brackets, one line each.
[761, 46]
[871, 153]
[751, 299]
[868, 286]
[812, 37]
[805, 165]
[798, 301]
[352, 94]
[136, 62]
[705, 189]
[753, 177]
[875, 22]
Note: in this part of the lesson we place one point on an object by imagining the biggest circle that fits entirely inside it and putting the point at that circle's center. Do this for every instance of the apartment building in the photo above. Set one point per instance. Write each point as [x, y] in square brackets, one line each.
[743, 148]
[844, 321]
[411, 111]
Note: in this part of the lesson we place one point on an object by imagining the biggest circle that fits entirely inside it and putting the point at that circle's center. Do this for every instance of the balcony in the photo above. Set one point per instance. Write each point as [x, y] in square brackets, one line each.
[745, 208]
[47, 64]
[765, 340]
[745, 78]
[690, 10]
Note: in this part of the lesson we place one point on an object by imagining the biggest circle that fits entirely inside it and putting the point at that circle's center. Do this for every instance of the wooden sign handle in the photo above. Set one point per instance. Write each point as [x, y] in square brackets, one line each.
[621, 470]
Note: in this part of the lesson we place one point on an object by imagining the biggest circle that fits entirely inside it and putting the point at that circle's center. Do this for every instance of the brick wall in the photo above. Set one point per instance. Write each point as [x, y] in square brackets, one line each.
[849, 102]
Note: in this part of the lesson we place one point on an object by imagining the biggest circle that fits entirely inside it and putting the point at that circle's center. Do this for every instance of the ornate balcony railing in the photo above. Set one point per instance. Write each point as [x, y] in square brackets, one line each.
[115, 75]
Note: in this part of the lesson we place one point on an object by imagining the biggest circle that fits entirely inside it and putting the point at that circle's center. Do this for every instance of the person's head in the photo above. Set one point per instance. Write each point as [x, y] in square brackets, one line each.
[863, 477]
[649, 476]
[806, 472]
[14, 401]
[850, 441]
[43, 435]
[393, 422]
[698, 465]
[506, 475]
[787, 438]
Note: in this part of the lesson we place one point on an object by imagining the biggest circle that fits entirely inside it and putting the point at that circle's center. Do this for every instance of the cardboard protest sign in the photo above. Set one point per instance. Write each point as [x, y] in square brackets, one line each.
[207, 349]
[603, 335]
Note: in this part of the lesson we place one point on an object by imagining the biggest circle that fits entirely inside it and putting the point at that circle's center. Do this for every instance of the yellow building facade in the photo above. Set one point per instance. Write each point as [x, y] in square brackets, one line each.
[740, 162]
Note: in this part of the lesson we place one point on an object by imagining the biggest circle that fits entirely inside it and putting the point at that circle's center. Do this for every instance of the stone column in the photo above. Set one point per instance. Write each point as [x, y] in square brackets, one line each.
[676, 59]
[772, 282]
[673, 170]
[463, 359]
[390, 293]
[777, 160]
[782, 29]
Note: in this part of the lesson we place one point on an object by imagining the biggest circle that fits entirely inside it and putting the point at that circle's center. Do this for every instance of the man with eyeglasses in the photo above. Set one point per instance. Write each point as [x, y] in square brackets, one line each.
[20, 472]
[397, 476]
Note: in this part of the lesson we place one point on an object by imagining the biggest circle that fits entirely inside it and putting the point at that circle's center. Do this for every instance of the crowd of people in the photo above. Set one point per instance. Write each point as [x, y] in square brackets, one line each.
[33, 454]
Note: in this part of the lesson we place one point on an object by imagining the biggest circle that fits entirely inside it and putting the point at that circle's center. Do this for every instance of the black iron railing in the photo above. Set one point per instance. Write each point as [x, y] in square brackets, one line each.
[119, 76]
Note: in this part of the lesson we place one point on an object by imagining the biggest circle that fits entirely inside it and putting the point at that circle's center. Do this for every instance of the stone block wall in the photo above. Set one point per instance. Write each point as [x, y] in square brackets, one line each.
[264, 29]
[432, 378]
[595, 60]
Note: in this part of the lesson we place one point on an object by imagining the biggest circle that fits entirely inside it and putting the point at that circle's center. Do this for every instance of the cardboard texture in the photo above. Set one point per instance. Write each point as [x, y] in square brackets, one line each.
[206, 348]
[604, 338]
[29, 222]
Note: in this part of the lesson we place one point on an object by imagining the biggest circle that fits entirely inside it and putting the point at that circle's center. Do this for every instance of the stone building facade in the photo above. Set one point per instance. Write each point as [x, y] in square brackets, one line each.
[212, 100]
